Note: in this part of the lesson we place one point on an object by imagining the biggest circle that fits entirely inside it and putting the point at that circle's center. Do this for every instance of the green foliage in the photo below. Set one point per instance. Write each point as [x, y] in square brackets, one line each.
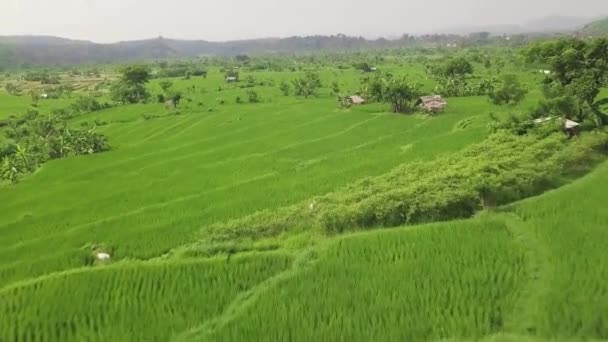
[308, 85]
[131, 88]
[253, 96]
[12, 89]
[37, 139]
[508, 92]
[135, 74]
[363, 66]
[87, 104]
[232, 73]
[400, 94]
[344, 101]
[285, 88]
[335, 88]
[462, 87]
[44, 77]
[166, 86]
[458, 67]
[579, 69]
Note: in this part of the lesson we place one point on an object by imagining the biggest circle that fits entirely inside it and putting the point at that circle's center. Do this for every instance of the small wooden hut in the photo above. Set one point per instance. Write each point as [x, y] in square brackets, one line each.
[432, 103]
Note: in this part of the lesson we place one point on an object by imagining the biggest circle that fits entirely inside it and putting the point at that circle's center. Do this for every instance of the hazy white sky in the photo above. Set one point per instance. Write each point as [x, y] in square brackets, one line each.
[114, 20]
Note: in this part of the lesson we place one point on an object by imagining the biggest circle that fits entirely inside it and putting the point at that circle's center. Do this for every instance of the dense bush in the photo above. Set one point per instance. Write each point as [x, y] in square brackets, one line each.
[509, 91]
[461, 87]
[35, 139]
[308, 85]
[399, 93]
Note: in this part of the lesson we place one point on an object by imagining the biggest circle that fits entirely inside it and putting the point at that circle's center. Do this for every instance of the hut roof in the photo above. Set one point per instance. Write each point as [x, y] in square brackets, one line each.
[569, 124]
[432, 102]
[356, 99]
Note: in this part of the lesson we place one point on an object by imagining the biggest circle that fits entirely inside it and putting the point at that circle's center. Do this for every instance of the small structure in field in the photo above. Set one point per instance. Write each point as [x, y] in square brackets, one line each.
[432, 103]
[231, 79]
[569, 124]
[170, 104]
[102, 256]
[571, 127]
[44, 96]
[357, 100]
[546, 72]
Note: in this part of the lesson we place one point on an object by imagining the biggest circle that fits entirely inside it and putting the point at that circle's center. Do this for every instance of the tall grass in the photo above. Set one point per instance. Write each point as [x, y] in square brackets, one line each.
[130, 302]
[432, 282]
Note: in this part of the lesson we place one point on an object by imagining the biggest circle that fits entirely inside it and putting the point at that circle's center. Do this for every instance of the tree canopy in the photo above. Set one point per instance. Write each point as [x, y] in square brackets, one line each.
[579, 69]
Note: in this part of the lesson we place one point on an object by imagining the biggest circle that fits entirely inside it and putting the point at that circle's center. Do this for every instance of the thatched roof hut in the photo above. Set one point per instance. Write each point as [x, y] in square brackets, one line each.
[432, 103]
[357, 100]
[569, 124]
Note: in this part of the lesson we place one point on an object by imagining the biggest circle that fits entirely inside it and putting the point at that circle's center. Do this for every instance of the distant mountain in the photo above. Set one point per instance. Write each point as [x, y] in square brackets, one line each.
[16, 51]
[36, 50]
[553, 24]
[596, 28]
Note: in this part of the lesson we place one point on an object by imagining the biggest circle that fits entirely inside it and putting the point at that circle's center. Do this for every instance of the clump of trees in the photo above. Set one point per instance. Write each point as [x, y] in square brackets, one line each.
[180, 69]
[34, 139]
[44, 77]
[308, 85]
[363, 66]
[13, 89]
[170, 97]
[457, 67]
[253, 96]
[579, 69]
[399, 93]
[461, 87]
[232, 73]
[454, 79]
[131, 87]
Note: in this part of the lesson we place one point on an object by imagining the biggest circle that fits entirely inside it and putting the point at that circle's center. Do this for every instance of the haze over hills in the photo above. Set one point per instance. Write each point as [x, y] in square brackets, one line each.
[551, 24]
[18, 51]
[596, 28]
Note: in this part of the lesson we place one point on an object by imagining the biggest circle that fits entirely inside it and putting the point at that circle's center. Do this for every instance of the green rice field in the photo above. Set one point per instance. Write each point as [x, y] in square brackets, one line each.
[532, 269]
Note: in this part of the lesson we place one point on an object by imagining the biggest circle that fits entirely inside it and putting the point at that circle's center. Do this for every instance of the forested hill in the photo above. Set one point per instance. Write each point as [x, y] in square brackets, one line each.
[24, 51]
[19, 51]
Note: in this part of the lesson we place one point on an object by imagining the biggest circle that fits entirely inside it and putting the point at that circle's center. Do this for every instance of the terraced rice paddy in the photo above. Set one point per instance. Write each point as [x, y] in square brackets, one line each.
[534, 269]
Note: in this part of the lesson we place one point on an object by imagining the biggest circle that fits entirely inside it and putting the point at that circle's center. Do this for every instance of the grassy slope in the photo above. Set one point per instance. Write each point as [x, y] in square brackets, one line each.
[536, 270]
[533, 270]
